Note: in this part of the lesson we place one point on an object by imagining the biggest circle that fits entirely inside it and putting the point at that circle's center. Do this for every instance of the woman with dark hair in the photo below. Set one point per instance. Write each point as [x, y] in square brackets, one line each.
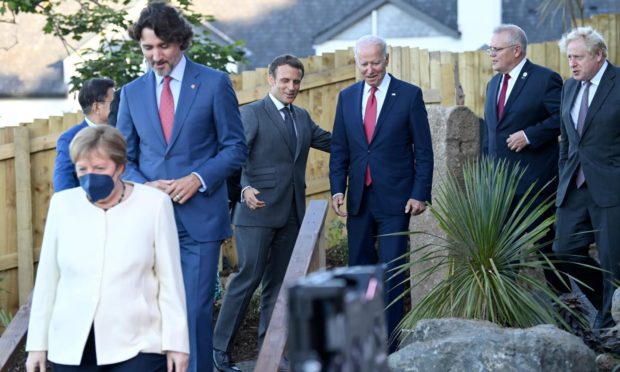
[109, 293]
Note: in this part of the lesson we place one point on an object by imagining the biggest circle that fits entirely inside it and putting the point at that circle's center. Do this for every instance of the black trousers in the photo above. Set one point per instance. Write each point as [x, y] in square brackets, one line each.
[143, 362]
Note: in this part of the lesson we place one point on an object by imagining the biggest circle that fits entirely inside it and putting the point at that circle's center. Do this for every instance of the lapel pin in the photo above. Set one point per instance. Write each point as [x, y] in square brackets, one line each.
[524, 75]
[193, 86]
[394, 94]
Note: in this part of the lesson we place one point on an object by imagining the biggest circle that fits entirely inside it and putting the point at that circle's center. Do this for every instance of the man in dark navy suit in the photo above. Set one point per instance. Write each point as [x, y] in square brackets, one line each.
[95, 98]
[382, 155]
[522, 116]
[588, 197]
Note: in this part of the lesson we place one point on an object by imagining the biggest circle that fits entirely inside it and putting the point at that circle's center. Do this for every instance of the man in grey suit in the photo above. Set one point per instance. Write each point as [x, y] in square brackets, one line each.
[268, 217]
[588, 199]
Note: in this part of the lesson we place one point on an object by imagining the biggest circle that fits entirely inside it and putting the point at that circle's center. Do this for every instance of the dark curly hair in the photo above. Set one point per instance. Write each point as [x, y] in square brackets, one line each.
[167, 23]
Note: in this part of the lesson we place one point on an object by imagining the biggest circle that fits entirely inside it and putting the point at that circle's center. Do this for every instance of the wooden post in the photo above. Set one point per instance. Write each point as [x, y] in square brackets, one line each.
[25, 260]
[301, 263]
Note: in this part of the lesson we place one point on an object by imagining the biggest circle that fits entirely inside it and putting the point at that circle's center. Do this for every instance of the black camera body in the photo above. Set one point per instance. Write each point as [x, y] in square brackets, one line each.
[337, 322]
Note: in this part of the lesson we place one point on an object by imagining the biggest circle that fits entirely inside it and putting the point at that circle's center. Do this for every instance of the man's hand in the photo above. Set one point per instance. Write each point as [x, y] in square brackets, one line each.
[415, 207]
[36, 359]
[337, 202]
[249, 195]
[516, 141]
[177, 361]
[182, 189]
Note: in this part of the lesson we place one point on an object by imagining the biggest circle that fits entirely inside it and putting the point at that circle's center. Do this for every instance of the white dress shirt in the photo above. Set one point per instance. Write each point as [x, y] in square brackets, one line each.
[594, 83]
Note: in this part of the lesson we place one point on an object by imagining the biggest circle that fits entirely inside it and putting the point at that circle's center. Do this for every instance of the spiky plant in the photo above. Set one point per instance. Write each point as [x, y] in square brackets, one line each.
[490, 251]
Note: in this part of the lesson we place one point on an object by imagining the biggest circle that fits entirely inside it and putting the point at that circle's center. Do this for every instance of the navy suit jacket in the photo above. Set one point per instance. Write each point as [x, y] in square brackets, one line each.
[64, 170]
[598, 148]
[534, 107]
[400, 153]
[207, 138]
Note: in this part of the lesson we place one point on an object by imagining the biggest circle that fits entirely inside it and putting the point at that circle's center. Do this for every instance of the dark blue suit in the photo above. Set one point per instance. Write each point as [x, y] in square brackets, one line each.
[207, 138]
[400, 156]
[64, 170]
[534, 107]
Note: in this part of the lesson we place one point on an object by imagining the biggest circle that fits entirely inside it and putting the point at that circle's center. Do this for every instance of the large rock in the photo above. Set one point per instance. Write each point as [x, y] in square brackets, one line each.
[470, 345]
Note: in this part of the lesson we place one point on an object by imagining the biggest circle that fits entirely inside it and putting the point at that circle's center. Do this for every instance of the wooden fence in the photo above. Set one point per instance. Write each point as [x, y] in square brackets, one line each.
[27, 152]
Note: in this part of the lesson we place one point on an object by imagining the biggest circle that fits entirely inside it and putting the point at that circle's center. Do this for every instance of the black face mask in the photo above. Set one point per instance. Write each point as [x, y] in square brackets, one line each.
[97, 186]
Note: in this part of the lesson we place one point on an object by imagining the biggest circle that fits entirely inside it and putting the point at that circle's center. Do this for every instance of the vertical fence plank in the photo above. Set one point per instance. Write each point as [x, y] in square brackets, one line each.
[24, 213]
[414, 66]
[449, 79]
[425, 70]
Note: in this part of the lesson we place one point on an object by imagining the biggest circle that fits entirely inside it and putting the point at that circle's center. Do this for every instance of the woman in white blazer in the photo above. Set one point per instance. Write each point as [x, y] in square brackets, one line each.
[109, 292]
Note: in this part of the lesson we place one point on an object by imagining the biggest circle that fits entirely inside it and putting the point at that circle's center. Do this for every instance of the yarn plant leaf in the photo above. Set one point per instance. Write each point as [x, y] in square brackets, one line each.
[489, 253]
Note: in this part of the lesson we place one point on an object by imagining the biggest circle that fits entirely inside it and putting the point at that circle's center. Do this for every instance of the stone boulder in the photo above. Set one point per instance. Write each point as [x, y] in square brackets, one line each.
[470, 345]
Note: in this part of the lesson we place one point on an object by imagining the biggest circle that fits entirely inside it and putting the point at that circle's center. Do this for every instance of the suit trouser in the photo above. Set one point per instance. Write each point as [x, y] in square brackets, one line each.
[363, 229]
[199, 264]
[581, 222]
[263, 254]
[143, 362]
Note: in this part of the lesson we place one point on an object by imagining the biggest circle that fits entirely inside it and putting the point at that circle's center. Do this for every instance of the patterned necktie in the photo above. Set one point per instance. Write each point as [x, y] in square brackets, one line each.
[581, 119]
[502, 97]
[370, 122]
[290, 125]
[166, 109]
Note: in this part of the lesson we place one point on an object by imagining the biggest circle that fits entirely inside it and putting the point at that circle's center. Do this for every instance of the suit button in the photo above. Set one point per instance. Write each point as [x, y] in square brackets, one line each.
[369, 151]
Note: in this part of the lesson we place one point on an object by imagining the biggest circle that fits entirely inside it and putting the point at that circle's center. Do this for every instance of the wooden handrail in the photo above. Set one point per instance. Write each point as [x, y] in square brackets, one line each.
[14, 336]
[308, 256]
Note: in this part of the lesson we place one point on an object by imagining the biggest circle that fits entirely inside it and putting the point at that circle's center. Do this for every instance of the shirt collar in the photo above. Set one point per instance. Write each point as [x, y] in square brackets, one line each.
[516, 71]
[90, 122]
[385, 83]
[596, 80]
[176, 73]
[279, 105]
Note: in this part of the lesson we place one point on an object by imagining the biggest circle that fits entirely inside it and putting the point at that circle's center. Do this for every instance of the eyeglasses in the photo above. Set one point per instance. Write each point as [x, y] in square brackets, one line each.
[494, 50]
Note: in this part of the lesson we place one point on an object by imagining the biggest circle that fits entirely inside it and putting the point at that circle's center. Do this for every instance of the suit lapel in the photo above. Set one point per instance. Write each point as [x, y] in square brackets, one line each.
[390, 97]
[276, 119]
[517, 87]
[491, 102]
[606, 84]
[358, 122]
[301, 132]
[572, 89]
[189, 88]
[151, 106]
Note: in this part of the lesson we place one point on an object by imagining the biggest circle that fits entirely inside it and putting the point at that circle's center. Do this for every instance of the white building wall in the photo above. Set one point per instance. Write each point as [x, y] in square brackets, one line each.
[476, 23]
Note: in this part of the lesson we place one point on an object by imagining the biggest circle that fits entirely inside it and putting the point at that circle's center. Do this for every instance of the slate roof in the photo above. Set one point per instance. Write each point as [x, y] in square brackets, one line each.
[292, 26]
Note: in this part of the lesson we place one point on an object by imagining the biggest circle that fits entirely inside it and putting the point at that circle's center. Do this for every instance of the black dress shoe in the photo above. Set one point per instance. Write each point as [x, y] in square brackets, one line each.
[223, 361]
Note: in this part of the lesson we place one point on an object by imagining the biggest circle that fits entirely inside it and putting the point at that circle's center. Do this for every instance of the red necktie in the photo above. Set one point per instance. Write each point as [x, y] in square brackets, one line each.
[166, 109]
[370, 122]
[502, 97]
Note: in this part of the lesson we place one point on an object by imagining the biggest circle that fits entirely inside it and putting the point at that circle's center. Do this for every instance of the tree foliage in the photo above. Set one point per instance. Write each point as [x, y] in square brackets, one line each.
[116, 56]
[572, 11]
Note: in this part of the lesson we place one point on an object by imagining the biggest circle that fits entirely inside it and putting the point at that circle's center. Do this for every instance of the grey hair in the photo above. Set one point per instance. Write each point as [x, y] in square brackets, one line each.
[593, 40]
[371, 40]
[516, 33]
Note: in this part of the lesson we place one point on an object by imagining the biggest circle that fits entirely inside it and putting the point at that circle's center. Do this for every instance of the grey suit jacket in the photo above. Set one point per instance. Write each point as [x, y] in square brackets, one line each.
[275, 166]
[598, 149]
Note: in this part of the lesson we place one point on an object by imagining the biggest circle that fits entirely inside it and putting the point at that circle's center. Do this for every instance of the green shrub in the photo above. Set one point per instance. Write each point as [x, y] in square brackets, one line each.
[489, 255]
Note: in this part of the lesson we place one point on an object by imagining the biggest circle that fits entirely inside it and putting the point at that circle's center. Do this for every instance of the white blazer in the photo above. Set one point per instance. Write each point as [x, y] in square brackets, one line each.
[119, 270]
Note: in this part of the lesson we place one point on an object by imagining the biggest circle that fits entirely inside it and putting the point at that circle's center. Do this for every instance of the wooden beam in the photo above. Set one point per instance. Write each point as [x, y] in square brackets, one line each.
[304, 254]
[23, 199]
[14, 336]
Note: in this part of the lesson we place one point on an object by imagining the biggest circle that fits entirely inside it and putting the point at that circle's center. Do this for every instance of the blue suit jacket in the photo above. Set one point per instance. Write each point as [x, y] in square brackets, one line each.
[399, 171]
[534, 107]
[207, 138]
[64, 170]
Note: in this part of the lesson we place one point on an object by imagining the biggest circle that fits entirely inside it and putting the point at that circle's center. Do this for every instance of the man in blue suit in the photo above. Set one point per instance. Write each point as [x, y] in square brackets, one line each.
[95, 98]
[382, 152]
[185, 137]
[522, 116]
